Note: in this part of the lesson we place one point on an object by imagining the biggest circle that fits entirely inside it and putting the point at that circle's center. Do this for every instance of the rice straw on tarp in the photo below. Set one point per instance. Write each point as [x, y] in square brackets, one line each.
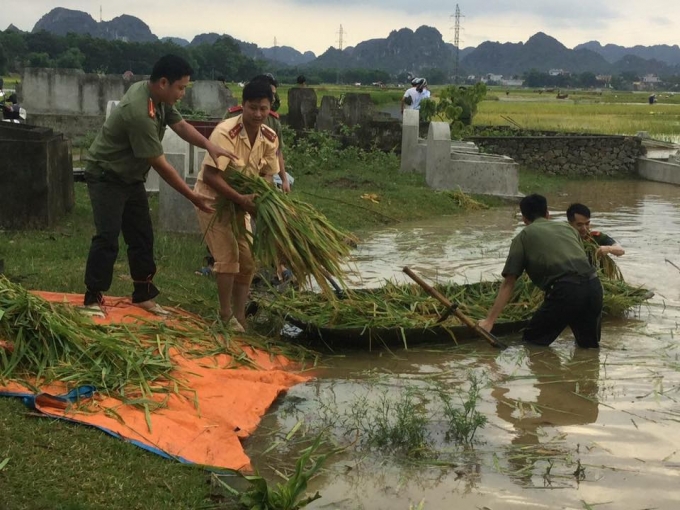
[292, 232]
[45, 342]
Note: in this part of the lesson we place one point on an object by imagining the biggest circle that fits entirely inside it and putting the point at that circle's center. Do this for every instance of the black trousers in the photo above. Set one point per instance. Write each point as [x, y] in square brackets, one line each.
[572, 301]
[117, 208]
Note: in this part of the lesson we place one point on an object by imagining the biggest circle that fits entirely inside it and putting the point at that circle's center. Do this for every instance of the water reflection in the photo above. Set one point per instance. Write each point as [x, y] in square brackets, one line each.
[565, 392]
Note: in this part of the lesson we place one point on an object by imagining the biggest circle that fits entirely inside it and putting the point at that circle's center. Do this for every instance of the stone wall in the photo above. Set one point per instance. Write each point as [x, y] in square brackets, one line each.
[565, 154]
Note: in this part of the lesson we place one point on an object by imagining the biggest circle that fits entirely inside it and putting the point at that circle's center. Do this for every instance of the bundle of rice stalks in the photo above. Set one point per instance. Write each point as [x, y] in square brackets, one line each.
[465, 201]
[293, 232]
[605, 265]
[43, 342]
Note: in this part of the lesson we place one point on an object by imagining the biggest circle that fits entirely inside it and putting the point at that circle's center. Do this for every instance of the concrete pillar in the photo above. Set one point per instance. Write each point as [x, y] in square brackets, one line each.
[175, 212]
[302, 108]
[438, 152]
[409, 141]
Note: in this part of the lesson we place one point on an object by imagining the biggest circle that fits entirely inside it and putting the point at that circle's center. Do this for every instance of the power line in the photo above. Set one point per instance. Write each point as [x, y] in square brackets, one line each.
[456, 43]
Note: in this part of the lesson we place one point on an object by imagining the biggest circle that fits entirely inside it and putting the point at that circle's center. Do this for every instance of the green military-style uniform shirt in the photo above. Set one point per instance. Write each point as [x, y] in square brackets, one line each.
[272, 121]
[130, 137]
[547, 251]
[601, 238]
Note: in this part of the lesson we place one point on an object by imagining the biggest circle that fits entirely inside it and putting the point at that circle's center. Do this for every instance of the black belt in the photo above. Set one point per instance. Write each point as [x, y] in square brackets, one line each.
[575, 278]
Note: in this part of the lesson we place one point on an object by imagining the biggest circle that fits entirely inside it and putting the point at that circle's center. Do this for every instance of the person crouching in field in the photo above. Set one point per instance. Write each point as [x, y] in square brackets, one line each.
[256, 147]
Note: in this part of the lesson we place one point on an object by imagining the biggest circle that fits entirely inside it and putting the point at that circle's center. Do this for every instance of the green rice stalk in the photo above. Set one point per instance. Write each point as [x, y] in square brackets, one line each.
[292, 232]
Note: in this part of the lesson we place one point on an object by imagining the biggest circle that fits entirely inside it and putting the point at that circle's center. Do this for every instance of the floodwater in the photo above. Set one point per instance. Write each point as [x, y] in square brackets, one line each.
[567, 428]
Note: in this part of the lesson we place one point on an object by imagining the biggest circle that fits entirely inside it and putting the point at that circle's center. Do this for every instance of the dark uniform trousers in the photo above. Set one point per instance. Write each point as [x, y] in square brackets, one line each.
[574, 301]
[119, 207]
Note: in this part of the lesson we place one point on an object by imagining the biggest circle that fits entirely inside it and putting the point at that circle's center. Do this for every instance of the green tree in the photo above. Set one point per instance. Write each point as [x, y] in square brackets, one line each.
[72, 58]
[3, 60]
[457, 105]
[39, 60]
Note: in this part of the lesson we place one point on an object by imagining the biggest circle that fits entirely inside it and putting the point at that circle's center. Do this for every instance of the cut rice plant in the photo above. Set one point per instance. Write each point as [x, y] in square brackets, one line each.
[291, 231]
[44, 342]
[407, 307]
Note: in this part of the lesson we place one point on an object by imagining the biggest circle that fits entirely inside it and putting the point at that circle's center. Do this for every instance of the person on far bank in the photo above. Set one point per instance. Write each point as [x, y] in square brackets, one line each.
[554, 258]
[117, 163]
[578, 216]
[413, 96]
[256, 147]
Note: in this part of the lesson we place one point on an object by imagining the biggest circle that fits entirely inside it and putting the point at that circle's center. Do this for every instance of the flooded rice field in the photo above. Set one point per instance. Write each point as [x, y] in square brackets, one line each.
[564, 427]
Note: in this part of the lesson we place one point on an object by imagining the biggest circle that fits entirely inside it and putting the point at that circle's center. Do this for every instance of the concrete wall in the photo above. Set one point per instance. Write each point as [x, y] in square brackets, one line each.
[74, 103]
[568, 155]
[212, 97]
[36, 176]
[452, 165]
[659, 171]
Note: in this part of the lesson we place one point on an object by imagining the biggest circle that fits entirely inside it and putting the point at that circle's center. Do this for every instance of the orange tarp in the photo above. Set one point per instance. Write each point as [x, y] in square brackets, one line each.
[231, 401]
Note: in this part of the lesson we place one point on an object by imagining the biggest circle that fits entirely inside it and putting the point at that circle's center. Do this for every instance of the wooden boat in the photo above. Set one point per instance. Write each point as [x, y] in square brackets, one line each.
[404, 315]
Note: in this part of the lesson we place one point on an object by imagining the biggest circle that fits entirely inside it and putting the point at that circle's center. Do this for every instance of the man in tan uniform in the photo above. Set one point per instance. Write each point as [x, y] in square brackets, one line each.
[256, 147]
[271, 121]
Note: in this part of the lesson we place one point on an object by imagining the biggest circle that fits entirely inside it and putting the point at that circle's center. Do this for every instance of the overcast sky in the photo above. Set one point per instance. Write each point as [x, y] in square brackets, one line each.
[314, 24]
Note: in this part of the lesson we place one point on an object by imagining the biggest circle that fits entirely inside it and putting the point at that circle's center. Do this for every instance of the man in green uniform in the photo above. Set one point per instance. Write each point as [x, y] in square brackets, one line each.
[271, 121]
[552, 255]
[578, 216]
[117, 163]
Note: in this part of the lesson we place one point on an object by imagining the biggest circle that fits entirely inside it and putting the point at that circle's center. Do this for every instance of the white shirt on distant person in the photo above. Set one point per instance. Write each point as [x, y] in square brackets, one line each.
[416, 97]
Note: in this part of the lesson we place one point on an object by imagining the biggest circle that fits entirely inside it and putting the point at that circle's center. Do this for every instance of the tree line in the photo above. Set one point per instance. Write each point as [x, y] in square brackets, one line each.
[221, 60]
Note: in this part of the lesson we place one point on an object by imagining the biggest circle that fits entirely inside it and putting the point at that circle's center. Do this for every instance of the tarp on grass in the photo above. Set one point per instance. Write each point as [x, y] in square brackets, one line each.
[204, 426]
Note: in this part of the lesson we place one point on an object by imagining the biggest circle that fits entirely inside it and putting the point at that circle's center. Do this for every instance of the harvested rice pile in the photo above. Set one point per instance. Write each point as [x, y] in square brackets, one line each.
[291, 231]
[408, 306]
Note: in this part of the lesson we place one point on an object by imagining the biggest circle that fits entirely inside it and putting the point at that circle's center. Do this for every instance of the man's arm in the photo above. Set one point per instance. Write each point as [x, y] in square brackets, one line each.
[614, 249]
[213, 178]
[170, 175]
[504, 295]
[190, 134]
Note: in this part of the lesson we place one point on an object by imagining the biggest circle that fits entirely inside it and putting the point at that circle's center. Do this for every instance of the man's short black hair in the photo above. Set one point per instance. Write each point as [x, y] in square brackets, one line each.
[269, 78]
[256, 90]
[577, 209]
[301, 79]
[172, 68]
[534, 206]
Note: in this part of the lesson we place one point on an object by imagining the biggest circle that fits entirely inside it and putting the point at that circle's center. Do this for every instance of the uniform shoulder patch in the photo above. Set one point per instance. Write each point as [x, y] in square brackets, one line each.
[268, 133]
[233, 132]
[235, 109]
[273, 114]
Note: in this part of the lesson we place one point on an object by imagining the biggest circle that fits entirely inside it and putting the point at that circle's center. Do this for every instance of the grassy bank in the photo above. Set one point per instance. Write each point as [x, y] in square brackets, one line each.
[57, 465]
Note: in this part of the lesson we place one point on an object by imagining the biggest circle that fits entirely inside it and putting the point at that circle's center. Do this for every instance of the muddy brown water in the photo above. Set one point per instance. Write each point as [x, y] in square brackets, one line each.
[567, 428]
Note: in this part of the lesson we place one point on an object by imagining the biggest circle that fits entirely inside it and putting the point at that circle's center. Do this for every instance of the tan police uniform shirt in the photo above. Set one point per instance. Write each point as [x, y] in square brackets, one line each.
[260, 159]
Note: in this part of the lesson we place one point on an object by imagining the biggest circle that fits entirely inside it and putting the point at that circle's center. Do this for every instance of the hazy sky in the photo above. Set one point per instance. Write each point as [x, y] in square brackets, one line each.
[314, 24]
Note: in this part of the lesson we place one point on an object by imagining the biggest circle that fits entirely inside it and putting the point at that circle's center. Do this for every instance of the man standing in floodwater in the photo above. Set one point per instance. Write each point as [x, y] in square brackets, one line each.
[578, 216]
[552, 255]
[117, 163]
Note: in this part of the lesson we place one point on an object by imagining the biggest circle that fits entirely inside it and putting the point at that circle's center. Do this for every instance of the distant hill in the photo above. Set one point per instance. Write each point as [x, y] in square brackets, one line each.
[540, 52]
[402, 51]
[287, 55]
[61, 21]
[612, 52]
[176, 40]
